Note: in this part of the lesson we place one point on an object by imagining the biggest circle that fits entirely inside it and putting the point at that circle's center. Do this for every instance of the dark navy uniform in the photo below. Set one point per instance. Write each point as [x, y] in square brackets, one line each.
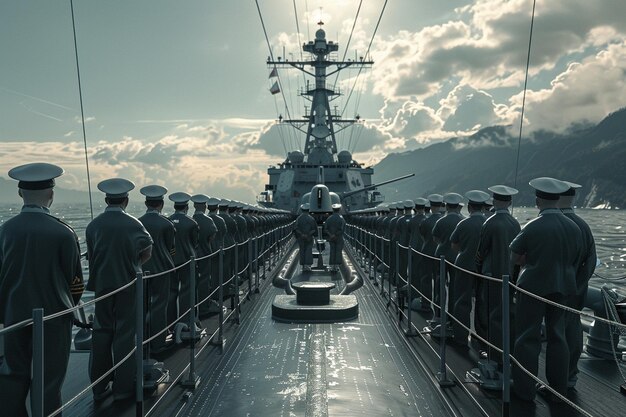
[304, 230]
[586, 268]
[549, 249]
[187, 234]
[206, 235]
[416, 241]
[39, 268]
[493, 259]
[430, 267]
[333, 227]
[465, 238]
[115, 242]
[231, 237]
[163, 234]
[216, 244]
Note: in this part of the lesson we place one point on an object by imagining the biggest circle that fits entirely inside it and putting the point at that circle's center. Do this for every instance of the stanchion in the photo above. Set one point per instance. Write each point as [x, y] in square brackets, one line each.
[192, 380]
[409, 289]
[370, 238]
[382, 261]
[506, 348]
[139, 316]
[236, 279]
[36, 391]
[220, 294]
[249, 266]
[256, 266]
[443, 374]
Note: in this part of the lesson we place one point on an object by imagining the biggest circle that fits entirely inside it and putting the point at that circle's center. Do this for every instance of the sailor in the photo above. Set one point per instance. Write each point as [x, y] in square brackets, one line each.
[488, 208]
[548, 250]
[231, 237]
[403, 236]
[493, 259]
[441, 235]
[234, 209]
[39, 268]
[207, 232]
[586, 267]
[429, 266]
[163, 234]
[216, 245]
[304, 231]
[464, 240]
[117, 246]
[415, 243]
[187, 234]
[333, 229]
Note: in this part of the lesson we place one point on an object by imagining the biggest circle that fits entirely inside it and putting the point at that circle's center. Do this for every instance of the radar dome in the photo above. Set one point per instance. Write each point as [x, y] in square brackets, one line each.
[296, 157]
[320, 34]
[344, 157]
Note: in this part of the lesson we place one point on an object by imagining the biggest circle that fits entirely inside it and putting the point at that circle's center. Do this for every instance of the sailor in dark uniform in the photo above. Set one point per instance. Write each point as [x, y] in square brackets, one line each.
[465, 239]
[441, 235]
[216, 244]
[231, 237]
[493, 259]
[430, 267]
[333, 229]
[187, 233]
[403, 237]
[163, 234]
[236, 209]
[416, 242]
[548, 249]
[39, 268]
[304, 231]
[586, 267]
[117, 246]
[206, 235]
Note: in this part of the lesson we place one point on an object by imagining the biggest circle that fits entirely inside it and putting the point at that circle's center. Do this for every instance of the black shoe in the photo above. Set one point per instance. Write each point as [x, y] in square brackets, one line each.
[547, 394]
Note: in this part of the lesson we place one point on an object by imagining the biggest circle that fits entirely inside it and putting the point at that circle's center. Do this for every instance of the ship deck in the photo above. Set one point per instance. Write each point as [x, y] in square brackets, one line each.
[362, 367]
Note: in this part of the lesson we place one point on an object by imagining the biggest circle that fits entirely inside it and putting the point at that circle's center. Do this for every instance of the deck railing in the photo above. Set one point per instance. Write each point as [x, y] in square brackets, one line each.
[263, 252]
[372, 251]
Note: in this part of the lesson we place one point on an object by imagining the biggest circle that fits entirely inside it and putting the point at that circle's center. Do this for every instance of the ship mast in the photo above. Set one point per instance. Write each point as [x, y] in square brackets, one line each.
[320, 122]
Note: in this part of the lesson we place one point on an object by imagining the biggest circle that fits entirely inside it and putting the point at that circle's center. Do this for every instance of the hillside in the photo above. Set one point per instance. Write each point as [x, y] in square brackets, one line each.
[593, 156]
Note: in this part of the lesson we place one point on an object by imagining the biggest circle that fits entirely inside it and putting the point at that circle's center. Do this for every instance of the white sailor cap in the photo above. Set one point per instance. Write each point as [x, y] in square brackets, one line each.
[305, 207]
[213, 202]
[200, 198]
[179, 198]
[36, 176]
[435, 199]
[382, 208]
[408, 204]
[224, 203]
[116, 187]
[502, 192]
[153, 192]
[489, 202]
[476, 196]
[572, 189]
[548, 188]
[393, 205]
[427, 204]
[336, 206]
[452, 199]
[420, 202]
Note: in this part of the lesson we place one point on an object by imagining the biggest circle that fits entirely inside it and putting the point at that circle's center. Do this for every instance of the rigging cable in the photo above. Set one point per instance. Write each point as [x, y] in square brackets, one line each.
[82, 112]
[521, 120]
[267, 39]
[366, 55]
[345, 51]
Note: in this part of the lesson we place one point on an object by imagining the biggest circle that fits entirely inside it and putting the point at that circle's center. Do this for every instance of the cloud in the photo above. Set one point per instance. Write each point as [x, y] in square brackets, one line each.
[466, 109]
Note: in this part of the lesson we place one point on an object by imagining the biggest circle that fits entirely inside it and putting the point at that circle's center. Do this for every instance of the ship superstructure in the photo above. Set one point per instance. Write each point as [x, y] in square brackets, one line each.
[320, 160]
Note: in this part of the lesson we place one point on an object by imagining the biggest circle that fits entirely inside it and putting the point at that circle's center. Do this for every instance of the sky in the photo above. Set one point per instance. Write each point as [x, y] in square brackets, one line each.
[177, 92]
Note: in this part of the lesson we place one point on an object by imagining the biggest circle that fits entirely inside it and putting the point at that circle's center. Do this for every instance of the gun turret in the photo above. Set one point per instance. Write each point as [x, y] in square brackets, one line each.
[374, 186]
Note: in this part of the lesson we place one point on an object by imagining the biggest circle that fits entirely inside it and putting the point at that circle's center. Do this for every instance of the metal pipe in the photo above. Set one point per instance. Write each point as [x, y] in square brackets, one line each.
[139, 315]
[36, 391]
[506, 348]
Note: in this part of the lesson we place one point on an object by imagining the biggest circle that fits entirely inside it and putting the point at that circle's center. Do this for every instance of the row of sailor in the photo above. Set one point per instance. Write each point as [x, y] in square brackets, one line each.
[553, 256]
[40, 267]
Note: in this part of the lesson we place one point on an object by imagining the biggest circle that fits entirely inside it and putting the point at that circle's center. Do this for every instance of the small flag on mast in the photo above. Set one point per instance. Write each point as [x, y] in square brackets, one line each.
[274, 73]
[275, 88]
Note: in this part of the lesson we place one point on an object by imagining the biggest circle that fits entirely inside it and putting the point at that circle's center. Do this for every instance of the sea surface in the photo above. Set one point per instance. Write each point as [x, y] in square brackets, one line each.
[608, 227]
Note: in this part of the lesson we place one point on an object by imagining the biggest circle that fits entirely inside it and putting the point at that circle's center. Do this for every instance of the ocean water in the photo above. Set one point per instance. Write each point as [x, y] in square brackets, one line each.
[608, 227]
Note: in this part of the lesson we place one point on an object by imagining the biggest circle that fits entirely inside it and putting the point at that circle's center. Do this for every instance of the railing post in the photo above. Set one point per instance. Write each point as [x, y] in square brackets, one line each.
[409, 289]
[506, 348]
[139, 323]
[220, 295]
[249, 266]
[236, 279]
[443, 375]
[382, 260]
[36, 391]
[375, 259]
[256, 265]
[192, 380]
[370, 239]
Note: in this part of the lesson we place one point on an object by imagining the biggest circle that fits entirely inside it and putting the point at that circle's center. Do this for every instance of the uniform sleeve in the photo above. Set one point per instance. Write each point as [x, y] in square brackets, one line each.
[455, 236]
[484, 246]
[592, 259]
[170, 240]
[437, 230]
[143, 240]
[77, 286]
[195, 235]
[519, 244]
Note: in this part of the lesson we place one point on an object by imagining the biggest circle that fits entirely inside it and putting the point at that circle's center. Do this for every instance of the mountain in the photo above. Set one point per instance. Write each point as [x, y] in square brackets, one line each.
[591, 155]
[8, 194]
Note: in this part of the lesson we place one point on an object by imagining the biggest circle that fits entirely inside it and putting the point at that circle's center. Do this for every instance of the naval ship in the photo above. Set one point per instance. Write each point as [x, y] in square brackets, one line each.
[293, 342]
